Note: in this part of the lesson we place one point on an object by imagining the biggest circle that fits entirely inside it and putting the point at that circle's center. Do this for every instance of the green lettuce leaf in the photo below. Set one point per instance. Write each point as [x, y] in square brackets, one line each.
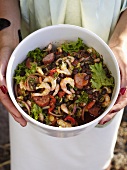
[74, 46]
[35, 110]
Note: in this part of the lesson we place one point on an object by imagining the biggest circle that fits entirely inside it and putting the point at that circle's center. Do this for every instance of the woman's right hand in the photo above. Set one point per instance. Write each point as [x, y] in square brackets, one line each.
[5, 53]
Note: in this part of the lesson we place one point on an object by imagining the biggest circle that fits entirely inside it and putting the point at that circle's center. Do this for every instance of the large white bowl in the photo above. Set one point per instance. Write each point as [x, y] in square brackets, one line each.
[60, 33]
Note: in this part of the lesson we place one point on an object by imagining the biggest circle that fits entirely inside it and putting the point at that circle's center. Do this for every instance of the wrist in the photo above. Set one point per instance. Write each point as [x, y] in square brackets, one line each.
[118, 41]
[9, 38]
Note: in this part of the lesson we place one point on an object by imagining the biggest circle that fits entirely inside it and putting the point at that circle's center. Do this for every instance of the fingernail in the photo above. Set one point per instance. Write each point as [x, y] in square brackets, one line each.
[122, 90]
[113, 111]
[23, 124]
[3, 89]
[105, 122]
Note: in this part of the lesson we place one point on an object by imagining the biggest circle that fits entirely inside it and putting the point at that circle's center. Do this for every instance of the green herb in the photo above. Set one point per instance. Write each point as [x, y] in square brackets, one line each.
[22, 72]
[83, 98]
[31, 70]
[56, 74]
[99, 77]
[36, 55]
[35, 110]
[74, 46]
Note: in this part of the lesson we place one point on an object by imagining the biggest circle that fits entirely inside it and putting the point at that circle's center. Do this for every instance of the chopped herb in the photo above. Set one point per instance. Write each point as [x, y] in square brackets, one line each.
[83, 98]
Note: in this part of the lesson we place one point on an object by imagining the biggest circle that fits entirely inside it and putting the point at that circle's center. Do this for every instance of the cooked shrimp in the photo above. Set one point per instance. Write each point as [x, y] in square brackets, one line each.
[62, 123]
[39, 70]
[106, 100]
[64, 69]
[64, 83]
[59, 49]
[46, 88]
[22, 85]
[56, 89]
[70, 96]
[108, 90]
[64, 108]
[50, 79]
[49, 48]
[70, 58]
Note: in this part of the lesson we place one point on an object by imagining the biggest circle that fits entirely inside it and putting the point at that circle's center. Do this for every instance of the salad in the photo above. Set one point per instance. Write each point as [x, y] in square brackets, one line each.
[63, 86]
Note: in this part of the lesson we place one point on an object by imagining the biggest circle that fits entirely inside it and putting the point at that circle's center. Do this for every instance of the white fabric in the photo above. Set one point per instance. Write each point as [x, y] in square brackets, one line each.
[88, 151]
[99, 16]
[31, 150]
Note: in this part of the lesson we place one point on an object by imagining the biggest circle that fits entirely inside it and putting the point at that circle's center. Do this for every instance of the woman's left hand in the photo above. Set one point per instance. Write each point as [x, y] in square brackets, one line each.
[121, 56]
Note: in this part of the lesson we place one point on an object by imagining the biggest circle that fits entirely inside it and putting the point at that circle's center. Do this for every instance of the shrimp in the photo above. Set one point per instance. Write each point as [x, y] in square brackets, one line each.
[64, 108]
[22, 85]
[64, 69]
[69, 58]
[44, 86]
[50, 79]
[106, 100]
[64, 83]
[62, 123]
[39, 70]
[49, 48]
[56, 89]
[70, 96]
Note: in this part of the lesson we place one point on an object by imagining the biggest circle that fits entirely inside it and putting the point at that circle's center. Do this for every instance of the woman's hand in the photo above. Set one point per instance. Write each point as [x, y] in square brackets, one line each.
[5, 53]
[121, 56]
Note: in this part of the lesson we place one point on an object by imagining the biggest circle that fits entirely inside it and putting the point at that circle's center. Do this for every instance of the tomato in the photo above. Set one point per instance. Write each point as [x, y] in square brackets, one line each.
[89, 105]
[61, 94]
[51, 72]
[52, 104]
[71, 119]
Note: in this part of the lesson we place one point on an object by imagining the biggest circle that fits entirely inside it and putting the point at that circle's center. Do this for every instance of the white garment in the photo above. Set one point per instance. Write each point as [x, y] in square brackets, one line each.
[99, 16]
[32, 150]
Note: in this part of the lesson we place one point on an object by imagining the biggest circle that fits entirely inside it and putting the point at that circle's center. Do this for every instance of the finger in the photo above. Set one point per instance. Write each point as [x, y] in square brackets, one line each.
[5, 100]
[107, 118]
[120, 104]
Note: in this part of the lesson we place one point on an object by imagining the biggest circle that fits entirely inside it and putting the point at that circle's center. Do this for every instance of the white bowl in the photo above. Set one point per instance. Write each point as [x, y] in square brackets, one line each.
[60, 33]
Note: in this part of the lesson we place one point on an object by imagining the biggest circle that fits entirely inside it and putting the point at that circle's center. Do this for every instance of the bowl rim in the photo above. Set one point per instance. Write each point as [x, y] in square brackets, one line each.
[48, 127]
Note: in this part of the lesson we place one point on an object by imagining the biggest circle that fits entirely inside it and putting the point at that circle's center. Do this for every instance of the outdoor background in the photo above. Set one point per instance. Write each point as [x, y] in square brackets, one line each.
[119, 161]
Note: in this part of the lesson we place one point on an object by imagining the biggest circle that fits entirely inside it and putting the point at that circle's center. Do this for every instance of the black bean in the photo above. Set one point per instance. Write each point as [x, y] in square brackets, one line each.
[25, 98]
[57, 57]
[78, 92]
[89, 91]
[22, 73]
[61, 75]
[75, 71]
[58, 79]
[104, 91]
[87, 66]
[87, 77]
[84, 67]
[60, 62]
[44, 70]
[75, 98]
[88, 72]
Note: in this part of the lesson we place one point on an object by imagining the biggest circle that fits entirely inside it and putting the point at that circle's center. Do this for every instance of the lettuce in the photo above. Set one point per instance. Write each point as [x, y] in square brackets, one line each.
[22, 72]
[35, 110]
[74, 46]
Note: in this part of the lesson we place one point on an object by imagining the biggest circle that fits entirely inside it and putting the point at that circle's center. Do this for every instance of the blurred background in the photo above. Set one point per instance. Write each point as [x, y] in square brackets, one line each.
[119, 161]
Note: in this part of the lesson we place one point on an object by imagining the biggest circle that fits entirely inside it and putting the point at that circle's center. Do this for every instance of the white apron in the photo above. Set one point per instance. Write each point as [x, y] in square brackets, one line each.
[32, 150]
